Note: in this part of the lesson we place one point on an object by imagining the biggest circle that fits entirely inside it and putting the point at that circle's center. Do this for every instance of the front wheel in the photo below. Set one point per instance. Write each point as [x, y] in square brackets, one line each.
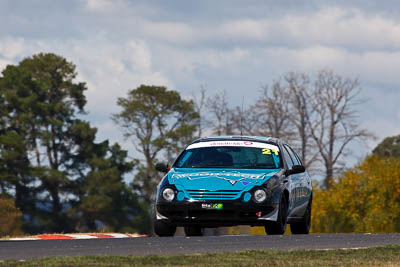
[303, 227]
[278, 227]
[162, 228]
[194, 231]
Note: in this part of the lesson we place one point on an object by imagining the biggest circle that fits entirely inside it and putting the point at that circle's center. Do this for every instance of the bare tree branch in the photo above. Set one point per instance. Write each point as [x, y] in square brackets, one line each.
[222, 122]
[273, 111]
[333, 124]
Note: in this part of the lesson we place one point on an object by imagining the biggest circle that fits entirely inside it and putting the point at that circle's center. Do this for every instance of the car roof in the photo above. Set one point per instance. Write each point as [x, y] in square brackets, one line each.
[241, 137]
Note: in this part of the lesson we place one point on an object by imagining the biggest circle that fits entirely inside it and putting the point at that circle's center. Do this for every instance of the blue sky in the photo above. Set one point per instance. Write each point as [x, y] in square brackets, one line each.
[224, 45]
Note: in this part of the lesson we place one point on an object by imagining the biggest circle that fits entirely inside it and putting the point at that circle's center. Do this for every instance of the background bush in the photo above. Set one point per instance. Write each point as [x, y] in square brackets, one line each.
[10, 217]
[364, 199]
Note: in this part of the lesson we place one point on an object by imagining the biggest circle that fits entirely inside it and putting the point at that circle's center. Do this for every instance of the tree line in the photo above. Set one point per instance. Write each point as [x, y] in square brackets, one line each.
[62, 180]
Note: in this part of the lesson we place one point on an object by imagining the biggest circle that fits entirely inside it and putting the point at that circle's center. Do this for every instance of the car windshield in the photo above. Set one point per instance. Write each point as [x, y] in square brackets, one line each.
[230, 154]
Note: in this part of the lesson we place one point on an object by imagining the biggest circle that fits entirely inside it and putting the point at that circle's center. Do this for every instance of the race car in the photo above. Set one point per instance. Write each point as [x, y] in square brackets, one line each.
[234, 180]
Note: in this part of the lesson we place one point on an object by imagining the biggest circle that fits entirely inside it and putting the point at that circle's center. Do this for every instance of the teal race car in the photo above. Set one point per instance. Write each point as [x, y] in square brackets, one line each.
[234, 180]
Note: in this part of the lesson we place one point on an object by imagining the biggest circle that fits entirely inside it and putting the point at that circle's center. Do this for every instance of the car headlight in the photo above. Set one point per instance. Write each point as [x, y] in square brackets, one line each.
[259, 195]
[168, 194]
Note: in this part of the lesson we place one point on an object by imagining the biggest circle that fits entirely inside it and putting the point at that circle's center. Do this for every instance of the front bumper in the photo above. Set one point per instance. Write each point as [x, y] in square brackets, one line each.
[232, 213]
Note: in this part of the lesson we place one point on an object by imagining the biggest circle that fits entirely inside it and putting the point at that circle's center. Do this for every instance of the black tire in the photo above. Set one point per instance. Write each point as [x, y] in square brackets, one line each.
[278, 227]
[162, 228]
[303, 227]
[193, 230]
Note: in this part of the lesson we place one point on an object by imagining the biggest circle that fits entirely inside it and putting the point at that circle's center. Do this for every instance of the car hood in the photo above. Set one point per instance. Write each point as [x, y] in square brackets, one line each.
[238, 180]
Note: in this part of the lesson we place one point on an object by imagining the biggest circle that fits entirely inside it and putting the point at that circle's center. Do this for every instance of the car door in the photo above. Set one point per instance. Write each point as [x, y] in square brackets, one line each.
[291, 180]
[306, 182]
[302, 184]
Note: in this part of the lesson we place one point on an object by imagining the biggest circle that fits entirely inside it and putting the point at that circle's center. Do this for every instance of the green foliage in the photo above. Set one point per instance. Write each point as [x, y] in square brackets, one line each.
[104, 197]
[365, 199]
[40, 102]
[10, 217]
[389, 147]
[63, 180]
[158, 121]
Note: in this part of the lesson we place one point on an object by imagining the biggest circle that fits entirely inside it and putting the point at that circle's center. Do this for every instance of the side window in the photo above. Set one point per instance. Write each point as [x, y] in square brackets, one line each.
[298, 158]
[288, 159]
[293, 155]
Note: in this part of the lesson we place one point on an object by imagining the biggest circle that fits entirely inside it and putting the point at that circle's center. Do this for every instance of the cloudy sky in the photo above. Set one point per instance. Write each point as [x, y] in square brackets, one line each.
[227, 45]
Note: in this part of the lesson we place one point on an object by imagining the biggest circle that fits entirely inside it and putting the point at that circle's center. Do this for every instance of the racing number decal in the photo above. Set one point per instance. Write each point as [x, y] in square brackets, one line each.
[267, 151]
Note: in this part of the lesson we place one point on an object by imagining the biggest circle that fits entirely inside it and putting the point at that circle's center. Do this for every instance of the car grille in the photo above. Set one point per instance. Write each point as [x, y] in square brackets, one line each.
[218, 194]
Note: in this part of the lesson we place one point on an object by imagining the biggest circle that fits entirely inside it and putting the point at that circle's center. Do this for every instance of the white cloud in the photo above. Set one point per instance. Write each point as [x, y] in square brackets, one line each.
[109, 69]
[189, 69]
[4, 63]
[227, 60]
[342, 27]
[244, 29]
[99, 5]
[378, 67]
[11, 47]
[170, 31]
[329, 26]
[139, 55]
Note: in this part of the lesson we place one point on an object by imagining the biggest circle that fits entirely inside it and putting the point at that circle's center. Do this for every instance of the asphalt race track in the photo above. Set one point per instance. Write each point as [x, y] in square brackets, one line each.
[20, 250]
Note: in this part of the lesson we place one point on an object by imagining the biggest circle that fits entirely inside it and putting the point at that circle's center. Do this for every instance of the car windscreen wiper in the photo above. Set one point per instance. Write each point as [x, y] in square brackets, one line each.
[209, 166]
[256, 167]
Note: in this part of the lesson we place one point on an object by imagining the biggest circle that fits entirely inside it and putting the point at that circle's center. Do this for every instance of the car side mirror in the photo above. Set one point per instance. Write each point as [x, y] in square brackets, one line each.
[296, 169]
[162, 167]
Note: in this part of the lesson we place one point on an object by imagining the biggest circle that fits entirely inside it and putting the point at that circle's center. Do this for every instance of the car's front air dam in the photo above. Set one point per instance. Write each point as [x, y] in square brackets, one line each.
[229, 214]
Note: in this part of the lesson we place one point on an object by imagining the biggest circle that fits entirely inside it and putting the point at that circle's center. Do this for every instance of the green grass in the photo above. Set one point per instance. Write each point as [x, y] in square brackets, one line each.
[376, 256]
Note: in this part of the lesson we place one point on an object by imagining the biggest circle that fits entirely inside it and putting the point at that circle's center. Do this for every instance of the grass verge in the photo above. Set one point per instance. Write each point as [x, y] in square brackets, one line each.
[376, 256]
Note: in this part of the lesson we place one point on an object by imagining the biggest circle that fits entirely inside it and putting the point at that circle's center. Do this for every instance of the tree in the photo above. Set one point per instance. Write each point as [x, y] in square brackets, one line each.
[318, 116]
[300, 109]
[44, 146]
[273, 111]
[199, 105]
[103, 199]
[45, 106]
[389, 147]
[15, 170]
[245, 121]
[222, 122]
[333, 125]
[156, 120]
